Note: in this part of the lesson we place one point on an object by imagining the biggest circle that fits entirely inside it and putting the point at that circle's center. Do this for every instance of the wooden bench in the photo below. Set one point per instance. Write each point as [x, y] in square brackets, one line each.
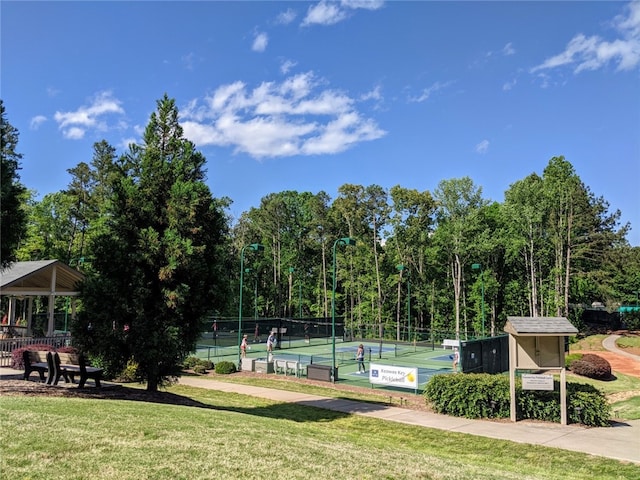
[446, 343]
[40, 361]
[72, 364]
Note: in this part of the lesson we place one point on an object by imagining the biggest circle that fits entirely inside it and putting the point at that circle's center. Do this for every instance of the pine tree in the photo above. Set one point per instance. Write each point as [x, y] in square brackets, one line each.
[157, 261]
[13, 223]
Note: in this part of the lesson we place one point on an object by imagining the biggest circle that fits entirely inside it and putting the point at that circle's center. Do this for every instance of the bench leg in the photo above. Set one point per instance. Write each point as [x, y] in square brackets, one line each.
[83, 381]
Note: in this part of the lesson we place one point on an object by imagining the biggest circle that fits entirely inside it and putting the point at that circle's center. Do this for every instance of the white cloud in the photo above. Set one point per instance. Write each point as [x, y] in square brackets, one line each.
[37, 121]
[508, 49]
[375, 94]
[188, 60]
[287, 65]
[286, 17]
[593, 52]
[75, 124]
[74, 133]
[324, 13]
[294, 117]
[329, 13]
[126, 142]
[482, 147]
[260, 42]
[509, 85]
[427, 92]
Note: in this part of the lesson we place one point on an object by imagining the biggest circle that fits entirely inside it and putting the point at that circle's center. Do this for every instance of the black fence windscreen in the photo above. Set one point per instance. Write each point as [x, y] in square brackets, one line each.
[485, 355]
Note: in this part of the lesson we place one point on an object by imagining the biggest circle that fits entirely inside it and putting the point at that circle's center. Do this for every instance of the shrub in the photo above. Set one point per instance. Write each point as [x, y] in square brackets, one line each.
[190, 362]
[487, 396]
[196, 364]
[208, 365]
[17, 361]
[199, 369]
[225, 367]
[67, 349]
[469, 396]
[592, 366]
[570, 358]
[129, 373]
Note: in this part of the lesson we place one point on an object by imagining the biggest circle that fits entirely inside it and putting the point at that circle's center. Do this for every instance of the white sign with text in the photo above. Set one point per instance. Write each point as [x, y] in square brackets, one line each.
[393, 376]
[537, 382]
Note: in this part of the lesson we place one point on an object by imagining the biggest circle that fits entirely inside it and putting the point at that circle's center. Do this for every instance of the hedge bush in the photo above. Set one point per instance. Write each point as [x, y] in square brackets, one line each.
[592, 366]
[130, 373]
[198, 365]
[487, 396]
[17, 362]
[190, 362]
[570, 358]
[225, 367]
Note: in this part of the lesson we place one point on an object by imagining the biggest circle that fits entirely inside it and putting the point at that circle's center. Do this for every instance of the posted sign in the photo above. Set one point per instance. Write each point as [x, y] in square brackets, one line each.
[537, 382]
[393, 376]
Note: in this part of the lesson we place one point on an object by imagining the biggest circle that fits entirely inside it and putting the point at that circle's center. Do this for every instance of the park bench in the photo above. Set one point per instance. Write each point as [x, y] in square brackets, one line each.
[36, 361]
[72, 364]
[446, 343]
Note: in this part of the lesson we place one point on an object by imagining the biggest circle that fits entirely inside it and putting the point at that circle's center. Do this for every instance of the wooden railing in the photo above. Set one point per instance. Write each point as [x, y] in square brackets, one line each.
[8, 345]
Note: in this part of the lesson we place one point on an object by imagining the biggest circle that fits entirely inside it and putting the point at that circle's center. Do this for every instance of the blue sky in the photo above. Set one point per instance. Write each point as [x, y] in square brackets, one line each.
[308, 96]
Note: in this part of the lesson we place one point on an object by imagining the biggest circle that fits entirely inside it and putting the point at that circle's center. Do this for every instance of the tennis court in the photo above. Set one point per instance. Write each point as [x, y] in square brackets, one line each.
[429, 359]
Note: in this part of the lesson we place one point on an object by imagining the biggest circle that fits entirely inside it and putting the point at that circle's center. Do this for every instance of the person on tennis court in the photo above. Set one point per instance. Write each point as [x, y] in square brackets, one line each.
[360, 359]
[243, 346]
[271, 342]
[456, 358]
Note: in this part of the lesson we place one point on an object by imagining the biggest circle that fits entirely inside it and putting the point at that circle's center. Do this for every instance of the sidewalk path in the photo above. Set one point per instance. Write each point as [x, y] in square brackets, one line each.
[620, 442]
[609, 343]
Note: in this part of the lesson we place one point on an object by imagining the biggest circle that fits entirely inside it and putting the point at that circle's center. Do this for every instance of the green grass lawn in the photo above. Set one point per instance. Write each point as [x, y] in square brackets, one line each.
[628, 342]
[232, 436]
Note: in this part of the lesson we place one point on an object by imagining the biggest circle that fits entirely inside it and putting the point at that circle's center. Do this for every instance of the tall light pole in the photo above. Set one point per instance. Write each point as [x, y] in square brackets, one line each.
[291, 271]
[341, 241]
[299, 298]
[255, 247]
[409, 305]
[478, 266]
[403, 268]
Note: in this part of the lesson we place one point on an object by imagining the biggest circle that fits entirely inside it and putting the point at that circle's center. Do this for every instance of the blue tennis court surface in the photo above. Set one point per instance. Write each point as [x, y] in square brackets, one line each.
[443, 358]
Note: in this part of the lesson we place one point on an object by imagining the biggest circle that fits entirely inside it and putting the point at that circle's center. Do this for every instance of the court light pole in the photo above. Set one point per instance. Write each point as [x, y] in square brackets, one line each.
[299, 298]
[291, 272]
[478, 266]
[341, 241]
[256, 247]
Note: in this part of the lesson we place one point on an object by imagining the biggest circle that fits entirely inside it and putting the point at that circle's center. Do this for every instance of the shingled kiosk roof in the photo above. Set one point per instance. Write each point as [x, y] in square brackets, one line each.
[538, 326]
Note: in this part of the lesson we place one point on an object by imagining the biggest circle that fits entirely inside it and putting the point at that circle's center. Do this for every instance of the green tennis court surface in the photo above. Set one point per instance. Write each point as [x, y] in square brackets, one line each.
[428, 359]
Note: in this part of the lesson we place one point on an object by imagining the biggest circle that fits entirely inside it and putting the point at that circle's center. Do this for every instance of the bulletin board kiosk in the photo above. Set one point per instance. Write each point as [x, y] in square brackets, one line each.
[537, 344]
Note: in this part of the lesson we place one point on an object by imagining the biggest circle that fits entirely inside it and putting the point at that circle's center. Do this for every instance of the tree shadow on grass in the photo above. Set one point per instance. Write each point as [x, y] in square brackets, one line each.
[297, 412]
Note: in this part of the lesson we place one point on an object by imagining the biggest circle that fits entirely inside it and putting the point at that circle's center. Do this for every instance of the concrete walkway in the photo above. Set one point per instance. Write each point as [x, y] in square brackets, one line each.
[609, 343]
[620, 442]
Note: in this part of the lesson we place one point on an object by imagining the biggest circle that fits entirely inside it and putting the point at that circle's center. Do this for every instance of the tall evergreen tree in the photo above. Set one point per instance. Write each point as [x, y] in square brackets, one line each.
[13, 218]
[158, 259]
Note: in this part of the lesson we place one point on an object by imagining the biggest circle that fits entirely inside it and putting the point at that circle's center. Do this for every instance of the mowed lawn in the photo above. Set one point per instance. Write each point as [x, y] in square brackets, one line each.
[231, 436]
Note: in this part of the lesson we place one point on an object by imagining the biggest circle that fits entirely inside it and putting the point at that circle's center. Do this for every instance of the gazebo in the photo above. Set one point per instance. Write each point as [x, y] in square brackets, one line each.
[41, 278]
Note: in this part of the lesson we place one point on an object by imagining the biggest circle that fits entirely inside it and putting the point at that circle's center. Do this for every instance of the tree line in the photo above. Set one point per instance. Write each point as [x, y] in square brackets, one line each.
[161, 253]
